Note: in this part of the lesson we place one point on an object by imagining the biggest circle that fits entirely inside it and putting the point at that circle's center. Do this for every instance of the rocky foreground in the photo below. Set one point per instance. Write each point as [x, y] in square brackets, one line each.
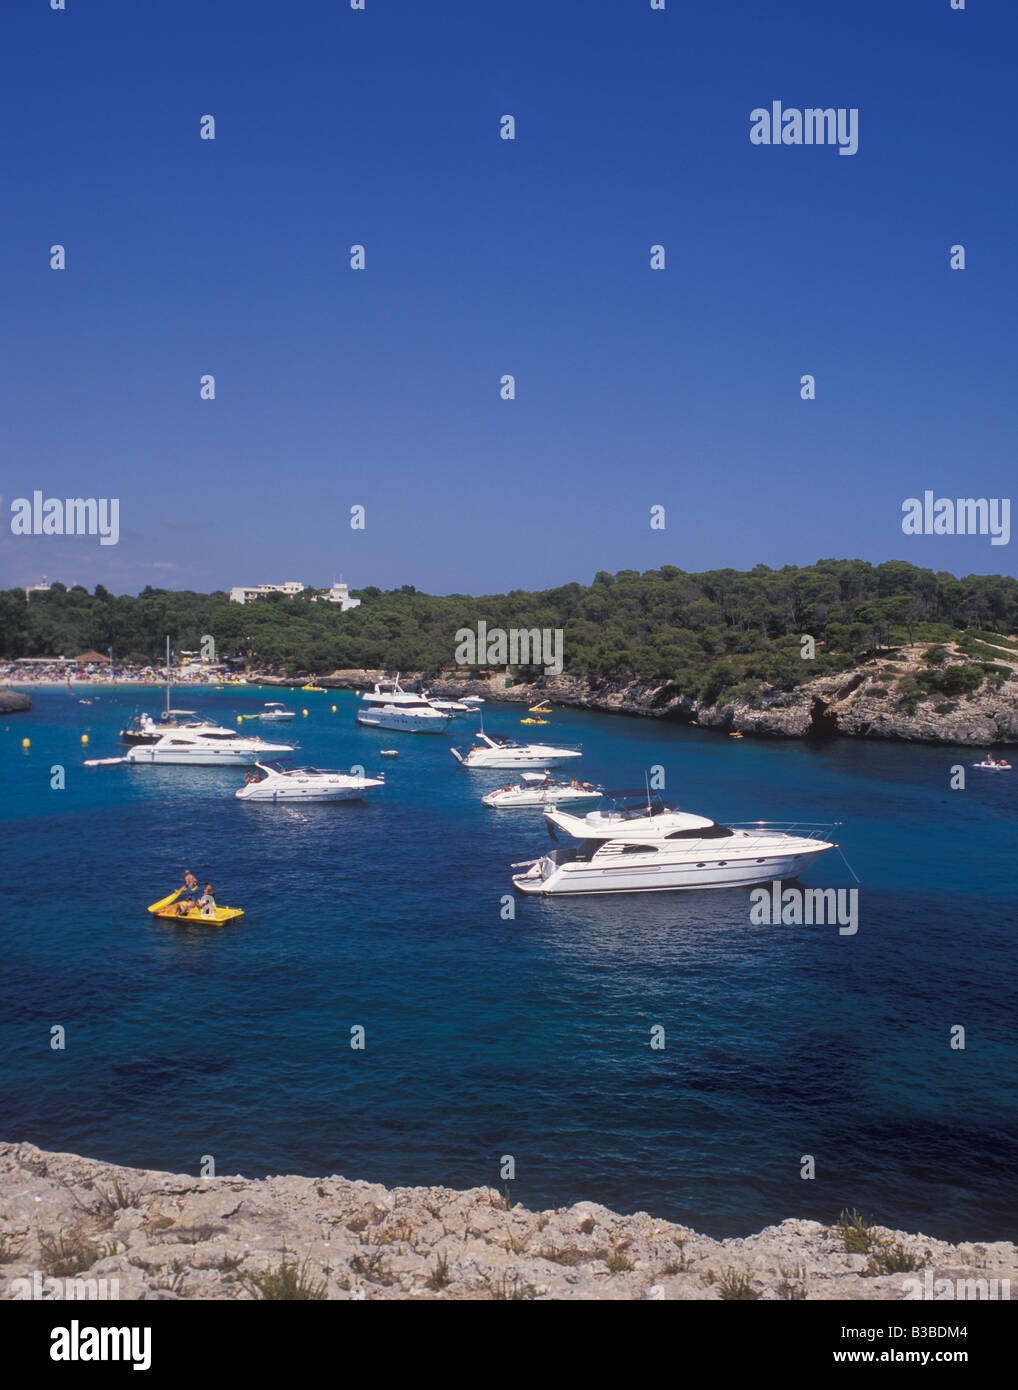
[172, 1236]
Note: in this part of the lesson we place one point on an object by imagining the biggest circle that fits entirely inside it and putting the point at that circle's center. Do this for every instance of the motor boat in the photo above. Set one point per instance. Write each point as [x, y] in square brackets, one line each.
[205, 748]
[990, 765]
[473, 700]
[540, 789]
[142, 728]
[449, 706]
[655, 847]
[275, 712]
[506, 752]
[389, 706]
[279, 783]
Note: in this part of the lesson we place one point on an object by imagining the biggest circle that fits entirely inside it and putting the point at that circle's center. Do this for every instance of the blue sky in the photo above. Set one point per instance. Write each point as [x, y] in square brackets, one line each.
[381, 388]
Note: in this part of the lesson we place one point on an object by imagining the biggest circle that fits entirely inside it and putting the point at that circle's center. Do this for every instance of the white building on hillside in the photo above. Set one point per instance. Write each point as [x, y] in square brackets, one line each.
[340, 593]
[240, 594]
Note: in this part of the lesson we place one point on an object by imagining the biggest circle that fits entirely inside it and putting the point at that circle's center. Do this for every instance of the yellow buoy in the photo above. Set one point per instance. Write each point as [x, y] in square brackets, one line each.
[239, 718]
[26, 743]
[304, 713]
[84, 738]
[334, 709]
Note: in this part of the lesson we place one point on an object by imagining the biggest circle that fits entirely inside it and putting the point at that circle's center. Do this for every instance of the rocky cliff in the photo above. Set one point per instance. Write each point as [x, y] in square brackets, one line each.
[865, 702]
[173, 1236]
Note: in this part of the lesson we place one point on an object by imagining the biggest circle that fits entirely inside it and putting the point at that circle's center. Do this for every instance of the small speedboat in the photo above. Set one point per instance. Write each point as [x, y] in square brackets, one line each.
[274, 711]
[388, 752]
[166, 909]
[506, 752]
[319, 688]
[540, 789]
[277, 783]
[448, 706]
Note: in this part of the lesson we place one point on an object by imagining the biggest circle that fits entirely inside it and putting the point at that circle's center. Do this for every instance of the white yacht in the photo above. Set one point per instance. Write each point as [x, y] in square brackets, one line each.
[205, 748]
[142, 728]
[278, 783]
[654, 847]
[540, 789]
[506, 752]
[449, 706]
[389, 706]
[274, 712]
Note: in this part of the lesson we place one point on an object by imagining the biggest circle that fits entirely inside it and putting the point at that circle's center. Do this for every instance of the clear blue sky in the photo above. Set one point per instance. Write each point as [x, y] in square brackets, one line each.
[485, 257]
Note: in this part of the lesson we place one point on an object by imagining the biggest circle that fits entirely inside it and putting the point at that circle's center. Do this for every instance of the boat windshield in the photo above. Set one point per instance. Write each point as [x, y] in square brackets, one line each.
[713, 831]
[628, 808]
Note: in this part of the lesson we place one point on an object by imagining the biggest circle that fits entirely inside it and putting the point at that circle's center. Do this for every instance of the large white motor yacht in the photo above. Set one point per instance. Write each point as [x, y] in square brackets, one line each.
[205, 748]
[654, 847]
[506, 752]
[389, 706]
[540, 789]
[279, 783]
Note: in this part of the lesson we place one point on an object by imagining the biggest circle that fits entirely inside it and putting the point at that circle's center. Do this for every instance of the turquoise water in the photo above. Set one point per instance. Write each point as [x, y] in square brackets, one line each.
[527, 1037]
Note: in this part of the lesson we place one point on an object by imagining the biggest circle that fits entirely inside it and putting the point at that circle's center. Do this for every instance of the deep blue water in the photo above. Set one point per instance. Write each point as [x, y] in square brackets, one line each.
[527, 1037]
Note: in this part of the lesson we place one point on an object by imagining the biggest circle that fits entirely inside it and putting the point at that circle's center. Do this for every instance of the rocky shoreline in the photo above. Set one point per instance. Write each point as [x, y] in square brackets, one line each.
[855, 704]
[173, 1236]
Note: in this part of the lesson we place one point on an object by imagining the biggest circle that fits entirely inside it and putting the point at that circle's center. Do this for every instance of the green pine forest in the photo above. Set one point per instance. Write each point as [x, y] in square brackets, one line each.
[721, 632]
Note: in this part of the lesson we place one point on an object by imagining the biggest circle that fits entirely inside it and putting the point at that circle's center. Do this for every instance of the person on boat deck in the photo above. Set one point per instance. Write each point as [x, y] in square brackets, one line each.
[207, 903]
[575, 785]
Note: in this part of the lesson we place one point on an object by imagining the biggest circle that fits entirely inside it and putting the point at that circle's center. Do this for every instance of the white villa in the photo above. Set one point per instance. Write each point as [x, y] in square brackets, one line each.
[339, 593]
[240, 594]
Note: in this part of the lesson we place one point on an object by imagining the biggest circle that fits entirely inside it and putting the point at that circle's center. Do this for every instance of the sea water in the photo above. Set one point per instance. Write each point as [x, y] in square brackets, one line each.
[487, 1036]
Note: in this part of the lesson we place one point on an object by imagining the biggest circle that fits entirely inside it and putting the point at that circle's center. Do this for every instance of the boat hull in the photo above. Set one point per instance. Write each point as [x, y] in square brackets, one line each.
[401, 723]
[190, 757]
[520, 757]
[580, 877]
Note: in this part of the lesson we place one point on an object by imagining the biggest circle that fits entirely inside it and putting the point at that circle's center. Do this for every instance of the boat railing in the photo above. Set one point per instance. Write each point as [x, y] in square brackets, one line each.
[804, 830]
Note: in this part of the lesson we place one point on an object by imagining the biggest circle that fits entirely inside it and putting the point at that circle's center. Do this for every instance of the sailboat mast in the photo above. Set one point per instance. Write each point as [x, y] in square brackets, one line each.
[167, 675]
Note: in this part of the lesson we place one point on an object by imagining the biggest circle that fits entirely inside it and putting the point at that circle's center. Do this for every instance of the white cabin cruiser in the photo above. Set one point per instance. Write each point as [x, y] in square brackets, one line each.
[276, 712]
[654, 847]
[540, 789]
[389, 706]
[506, 752]
[449, 706]
[205, 748]
[280, 783]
